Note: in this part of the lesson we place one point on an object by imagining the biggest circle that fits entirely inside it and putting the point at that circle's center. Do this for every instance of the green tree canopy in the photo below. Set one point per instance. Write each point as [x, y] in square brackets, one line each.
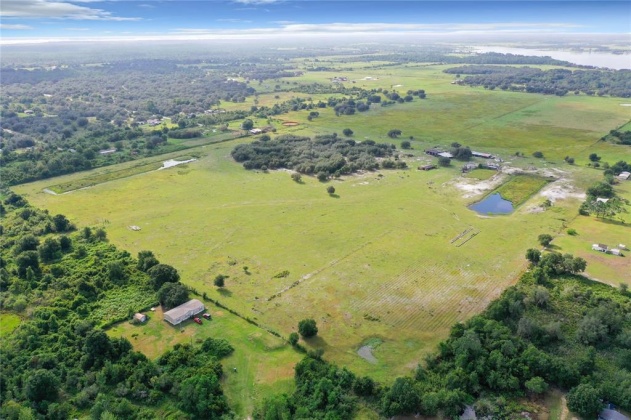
[307, 328]
[162, 273]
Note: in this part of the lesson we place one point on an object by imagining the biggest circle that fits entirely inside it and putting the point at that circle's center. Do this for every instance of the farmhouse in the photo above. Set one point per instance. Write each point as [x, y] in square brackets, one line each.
[438, 153]
[624, 176]
[600, 247]
[184, 312]
[138, 317]
[482, 155]
[426, 167]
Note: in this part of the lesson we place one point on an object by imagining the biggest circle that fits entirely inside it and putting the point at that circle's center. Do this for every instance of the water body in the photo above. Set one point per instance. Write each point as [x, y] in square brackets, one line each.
[493, 204]
[587, 58]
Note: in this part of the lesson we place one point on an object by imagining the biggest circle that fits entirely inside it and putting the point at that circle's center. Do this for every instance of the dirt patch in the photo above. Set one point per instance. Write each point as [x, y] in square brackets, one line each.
[473, 187]
[365, 352]
[560, 190]
[291, 123]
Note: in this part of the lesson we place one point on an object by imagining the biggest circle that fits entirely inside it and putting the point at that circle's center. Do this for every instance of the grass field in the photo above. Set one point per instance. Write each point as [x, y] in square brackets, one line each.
[8, 322]
[394, 257]
[376, 262]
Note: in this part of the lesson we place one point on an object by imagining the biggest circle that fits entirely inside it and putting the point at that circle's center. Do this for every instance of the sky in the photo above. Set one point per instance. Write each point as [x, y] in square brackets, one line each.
[89, 20]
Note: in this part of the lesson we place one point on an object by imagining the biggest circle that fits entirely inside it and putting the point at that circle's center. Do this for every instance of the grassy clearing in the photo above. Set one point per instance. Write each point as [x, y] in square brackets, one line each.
[8, 322]
[520, 188]
[481, 174]
[264, 363]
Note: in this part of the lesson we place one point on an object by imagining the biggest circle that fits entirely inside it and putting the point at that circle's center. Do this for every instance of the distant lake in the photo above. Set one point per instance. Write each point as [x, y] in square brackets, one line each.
[493, 204]
[598, 59]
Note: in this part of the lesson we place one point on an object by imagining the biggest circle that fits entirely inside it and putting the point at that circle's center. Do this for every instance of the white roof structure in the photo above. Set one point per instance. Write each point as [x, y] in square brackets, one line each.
[183, 312]
[602, 200]
[624, 175]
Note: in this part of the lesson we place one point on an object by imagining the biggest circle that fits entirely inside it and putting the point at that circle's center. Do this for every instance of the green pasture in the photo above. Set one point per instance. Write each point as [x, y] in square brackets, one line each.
[264, 363]
[383, 258]
[8, 322]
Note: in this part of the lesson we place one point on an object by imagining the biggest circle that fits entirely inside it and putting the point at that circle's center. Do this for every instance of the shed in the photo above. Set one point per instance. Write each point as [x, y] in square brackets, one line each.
[624, 175]
[256, 131]
[615, 251]
[600, 247]
[140, 317]
[426, 167]
[602, 200]
[183, 312]
[445, 154]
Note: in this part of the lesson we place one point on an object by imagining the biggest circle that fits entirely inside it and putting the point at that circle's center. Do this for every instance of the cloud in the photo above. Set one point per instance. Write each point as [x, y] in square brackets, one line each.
[54, 9]
[14, 27]
[293, 28]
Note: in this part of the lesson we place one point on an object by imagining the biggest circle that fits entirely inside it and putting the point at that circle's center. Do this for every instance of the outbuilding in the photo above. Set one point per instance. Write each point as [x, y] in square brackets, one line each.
[183, 312]
[138, 317]
[624, 176]
[600, 247]
[426, 167]
[615, 251]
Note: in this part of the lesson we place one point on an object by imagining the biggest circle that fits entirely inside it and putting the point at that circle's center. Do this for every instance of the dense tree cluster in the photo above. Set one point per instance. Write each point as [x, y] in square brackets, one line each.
[58, 363]
[328, 155]
[551, 82]
[323, 391]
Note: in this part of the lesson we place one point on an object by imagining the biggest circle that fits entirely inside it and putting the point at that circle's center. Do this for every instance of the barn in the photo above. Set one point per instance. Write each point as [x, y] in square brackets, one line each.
[183, 312]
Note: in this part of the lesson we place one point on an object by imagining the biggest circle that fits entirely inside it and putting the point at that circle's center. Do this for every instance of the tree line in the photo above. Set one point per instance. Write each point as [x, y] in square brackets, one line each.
[550, 82]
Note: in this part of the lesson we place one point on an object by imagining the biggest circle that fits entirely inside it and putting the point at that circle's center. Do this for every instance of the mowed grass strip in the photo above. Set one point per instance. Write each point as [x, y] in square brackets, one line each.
[96, 179]
[520, 188]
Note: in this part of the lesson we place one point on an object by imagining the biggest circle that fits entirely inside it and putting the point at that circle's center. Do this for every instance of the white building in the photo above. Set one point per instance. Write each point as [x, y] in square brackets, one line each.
[599, 247]
[183, 312]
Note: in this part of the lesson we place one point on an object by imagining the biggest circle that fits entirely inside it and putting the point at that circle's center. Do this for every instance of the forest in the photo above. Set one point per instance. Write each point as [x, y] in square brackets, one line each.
[550, 82]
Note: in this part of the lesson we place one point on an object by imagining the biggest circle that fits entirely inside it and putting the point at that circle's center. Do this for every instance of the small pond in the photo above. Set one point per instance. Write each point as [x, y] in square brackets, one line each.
[493, 204]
